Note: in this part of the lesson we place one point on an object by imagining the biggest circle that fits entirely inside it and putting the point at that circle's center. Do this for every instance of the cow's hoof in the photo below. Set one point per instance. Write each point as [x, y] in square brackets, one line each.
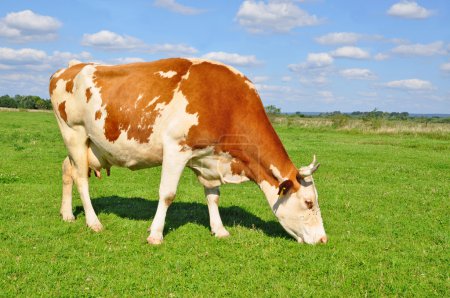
[221, 233]
[154, 241]
[96, 227]
[68, 217]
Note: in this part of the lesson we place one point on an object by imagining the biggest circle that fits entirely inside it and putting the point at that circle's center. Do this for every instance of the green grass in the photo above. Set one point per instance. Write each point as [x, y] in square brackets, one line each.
[384, 200]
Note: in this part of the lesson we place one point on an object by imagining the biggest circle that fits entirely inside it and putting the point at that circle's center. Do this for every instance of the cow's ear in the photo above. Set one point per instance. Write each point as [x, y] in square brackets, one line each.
[285, 187]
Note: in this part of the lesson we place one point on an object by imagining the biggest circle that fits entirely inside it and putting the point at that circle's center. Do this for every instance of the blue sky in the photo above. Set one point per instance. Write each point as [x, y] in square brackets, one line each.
[316, 55]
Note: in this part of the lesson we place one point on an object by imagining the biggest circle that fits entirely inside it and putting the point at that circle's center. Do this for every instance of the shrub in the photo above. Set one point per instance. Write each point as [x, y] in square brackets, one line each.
[339, 120]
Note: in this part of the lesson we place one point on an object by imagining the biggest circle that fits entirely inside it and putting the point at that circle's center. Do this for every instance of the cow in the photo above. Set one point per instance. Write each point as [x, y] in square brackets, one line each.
[178, 113]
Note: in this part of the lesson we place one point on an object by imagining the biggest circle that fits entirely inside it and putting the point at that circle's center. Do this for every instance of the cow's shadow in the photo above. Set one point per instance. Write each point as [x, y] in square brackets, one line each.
[181, 213]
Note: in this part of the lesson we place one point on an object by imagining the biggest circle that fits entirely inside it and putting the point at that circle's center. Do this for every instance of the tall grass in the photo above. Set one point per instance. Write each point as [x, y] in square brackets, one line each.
[376, 125]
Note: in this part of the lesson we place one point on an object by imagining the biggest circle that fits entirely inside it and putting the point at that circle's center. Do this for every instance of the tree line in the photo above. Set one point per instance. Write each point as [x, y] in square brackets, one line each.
[369, 115]
[31, 102]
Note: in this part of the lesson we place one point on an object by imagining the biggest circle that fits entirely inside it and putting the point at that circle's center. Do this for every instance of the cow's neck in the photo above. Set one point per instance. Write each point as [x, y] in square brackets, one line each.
[272, 172]
[269, 165]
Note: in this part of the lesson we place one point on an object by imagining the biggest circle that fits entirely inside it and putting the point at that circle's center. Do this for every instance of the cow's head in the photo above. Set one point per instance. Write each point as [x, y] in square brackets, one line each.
[298, 210]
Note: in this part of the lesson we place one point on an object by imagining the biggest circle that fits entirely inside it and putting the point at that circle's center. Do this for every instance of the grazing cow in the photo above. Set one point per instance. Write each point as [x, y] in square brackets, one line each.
[177, 113]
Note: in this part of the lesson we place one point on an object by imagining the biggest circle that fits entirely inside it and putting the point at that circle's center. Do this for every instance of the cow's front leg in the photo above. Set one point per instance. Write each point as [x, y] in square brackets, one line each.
[172, 168]
[217, 228]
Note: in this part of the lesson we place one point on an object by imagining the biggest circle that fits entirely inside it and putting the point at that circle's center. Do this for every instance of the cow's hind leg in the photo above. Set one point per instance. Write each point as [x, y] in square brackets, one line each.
[212, 197]
[77, 145]
[66, 204]
[172, 168]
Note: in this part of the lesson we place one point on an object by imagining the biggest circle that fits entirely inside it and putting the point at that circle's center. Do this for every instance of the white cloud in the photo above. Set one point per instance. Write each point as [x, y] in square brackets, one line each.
[315, 70]
[368, 94]
[351, 38]
[176, 7]
[27, 71]
[319, 59]
[357, 73]
[411, 84]
[409, 10]
[20, 77]
[37, 60]
[127, 60]
[339, 38]
[108, 40]
[62, 58]
[233, 58]
[21, 56]
[286, 79]
[24, 83]
[327, 96]
[260, 79]
[314, 79]
[435, 48]
[381, 56]
[273, 88]
[171, 49]
[350, 52]
[26, 26]
[313, 61]
[111, 41]
[273, 16]
[445, 67]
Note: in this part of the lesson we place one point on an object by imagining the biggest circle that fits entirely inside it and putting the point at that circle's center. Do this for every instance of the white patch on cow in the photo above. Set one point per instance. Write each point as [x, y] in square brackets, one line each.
[186, 76]
[168, 74]
[217, 228]
[58, 73]
[270, 191]
[152, 101]
[276, 173]
[215, 169]
[137, 100]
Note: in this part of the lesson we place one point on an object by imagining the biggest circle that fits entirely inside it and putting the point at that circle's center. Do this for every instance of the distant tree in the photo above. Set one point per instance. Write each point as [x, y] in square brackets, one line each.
[272, 110]
[41, 104]
[25, 102]
[7, 102]
[28, 102]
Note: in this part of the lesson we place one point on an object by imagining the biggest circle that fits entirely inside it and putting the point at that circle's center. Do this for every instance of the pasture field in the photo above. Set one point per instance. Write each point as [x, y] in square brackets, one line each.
[384, 199]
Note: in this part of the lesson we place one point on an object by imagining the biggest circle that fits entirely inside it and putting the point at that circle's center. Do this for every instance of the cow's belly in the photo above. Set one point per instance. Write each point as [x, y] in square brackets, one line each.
[123, 152]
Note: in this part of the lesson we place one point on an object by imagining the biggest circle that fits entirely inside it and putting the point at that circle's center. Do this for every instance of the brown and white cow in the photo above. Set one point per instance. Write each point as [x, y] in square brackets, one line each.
[177, 113]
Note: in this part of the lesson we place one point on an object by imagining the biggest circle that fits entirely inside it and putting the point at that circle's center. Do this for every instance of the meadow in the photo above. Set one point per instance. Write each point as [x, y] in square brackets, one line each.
[384, 197]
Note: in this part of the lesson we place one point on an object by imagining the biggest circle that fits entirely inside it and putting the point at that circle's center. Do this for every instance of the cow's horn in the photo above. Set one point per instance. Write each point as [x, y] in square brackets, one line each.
[309, 170]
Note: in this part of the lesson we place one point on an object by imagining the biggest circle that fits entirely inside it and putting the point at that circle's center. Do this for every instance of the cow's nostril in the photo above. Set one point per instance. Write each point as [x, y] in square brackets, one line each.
[324, 239]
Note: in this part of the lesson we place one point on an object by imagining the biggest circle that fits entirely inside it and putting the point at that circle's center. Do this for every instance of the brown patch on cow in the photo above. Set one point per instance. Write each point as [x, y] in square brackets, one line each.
[98, 115]
[62, 111]
[129, 93]
[309, 204]
[88, 94]
[233, 120]
[53, 81]
[68, 75]
[69, 86]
